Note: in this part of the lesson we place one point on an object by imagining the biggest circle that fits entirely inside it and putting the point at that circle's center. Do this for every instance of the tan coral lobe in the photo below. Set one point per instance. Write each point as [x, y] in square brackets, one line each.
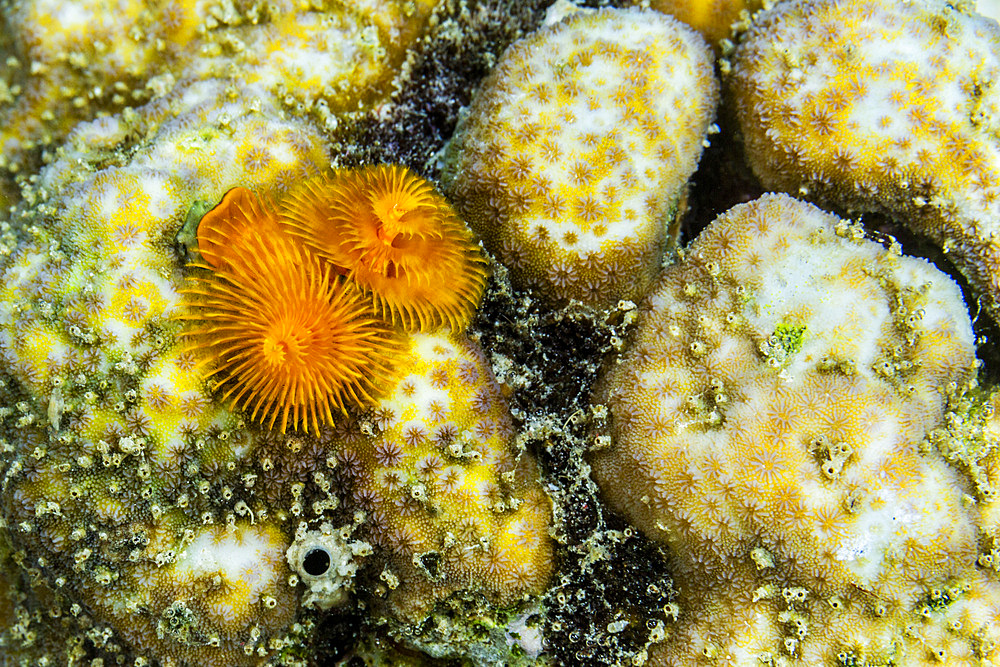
[574, 154]
[444, 479]
[881, 106]
[767, 421]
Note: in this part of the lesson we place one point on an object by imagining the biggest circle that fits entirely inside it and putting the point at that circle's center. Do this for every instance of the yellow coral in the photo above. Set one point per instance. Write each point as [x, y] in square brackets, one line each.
[142, 521]
[576, 148]
[347, 58]
[712, 18]
[908, 128]
[765, 423]
[145, 495]
[449, 498]
[76, 61]
[219, 579]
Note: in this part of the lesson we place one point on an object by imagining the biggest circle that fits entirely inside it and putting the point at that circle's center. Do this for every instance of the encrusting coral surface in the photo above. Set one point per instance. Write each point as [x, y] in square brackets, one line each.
[765, 421]
[577, 148]
[266, 400]
[154, 518]
[73, 61]
[881, 106]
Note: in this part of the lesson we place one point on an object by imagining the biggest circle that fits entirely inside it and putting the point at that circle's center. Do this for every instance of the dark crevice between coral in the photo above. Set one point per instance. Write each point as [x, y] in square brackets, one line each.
[337, 635]
[722, 181]
[610, 588]
[464, 42]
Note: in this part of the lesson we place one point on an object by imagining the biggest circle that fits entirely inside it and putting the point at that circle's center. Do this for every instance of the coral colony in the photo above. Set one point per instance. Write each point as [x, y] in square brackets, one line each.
[402, 333]
[565, 165]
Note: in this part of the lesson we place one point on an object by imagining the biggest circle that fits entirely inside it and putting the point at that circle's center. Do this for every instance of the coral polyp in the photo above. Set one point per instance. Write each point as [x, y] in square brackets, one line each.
[398, 239]
[288, 341]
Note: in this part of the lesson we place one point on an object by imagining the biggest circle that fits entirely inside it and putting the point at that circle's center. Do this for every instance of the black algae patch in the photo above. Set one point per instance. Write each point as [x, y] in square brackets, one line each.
[611, 594]
[461, 46]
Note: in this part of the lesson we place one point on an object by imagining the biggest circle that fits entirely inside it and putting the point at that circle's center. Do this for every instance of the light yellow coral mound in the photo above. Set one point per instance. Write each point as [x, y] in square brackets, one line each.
[156, 523]
[767, 415]
[576, 149]
[448, 496]
[881, 106]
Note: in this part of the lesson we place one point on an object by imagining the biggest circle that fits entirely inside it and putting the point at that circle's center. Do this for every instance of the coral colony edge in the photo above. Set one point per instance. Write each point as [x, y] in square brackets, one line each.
[460, 332]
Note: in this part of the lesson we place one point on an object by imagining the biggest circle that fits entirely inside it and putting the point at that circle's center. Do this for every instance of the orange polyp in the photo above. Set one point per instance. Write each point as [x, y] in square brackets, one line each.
[396, 193]
[398, 239]
[293, 312]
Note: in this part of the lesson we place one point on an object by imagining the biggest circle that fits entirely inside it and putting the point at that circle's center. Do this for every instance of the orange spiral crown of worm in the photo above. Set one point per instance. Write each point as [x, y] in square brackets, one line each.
[287, 340]
[390, 232]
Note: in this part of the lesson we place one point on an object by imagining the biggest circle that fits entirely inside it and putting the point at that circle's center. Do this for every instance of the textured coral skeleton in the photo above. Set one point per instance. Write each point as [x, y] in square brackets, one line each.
[265, 401]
